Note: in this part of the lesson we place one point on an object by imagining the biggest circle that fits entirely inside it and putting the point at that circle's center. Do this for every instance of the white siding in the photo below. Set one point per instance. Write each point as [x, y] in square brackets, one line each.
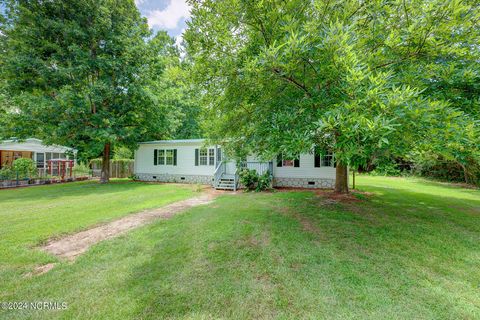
[306, 170]
[185, 159]
[144, 162]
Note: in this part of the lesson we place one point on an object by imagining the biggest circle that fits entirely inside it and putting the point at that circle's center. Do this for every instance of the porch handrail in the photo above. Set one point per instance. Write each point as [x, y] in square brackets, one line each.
[221, 169]
[260, 167]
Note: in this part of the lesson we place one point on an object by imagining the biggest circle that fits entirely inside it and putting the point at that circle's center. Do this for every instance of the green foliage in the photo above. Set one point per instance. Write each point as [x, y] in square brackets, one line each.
[248, 178]
[264, 181]
[251, 180]
[177, 91]
[25, 168]
[81, 169]
[356, 78]
[453, 137]
[122, 152]
[386, 169]
[123, 162]
[7, 173]
[434, 166]
[87, 74]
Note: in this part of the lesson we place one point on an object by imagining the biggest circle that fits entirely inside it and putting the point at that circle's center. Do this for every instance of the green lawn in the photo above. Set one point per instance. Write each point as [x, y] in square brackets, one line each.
[411, 249]
[32, 215]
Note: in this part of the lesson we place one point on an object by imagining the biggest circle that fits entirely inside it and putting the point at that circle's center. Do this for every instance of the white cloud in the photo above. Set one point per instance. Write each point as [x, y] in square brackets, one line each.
[169, 17]
[139, 2]
[179, 38]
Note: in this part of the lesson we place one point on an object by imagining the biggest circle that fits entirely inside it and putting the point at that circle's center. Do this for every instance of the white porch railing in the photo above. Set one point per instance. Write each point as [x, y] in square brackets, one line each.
[221, 169]
[260, 167]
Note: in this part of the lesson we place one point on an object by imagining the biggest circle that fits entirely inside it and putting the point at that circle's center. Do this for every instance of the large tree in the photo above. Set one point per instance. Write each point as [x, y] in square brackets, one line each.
[175, 91]
[83, 73]
[282, 76]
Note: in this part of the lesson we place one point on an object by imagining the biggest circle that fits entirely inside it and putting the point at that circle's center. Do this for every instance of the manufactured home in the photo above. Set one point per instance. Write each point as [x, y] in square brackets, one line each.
[34, 149]
[192, 161]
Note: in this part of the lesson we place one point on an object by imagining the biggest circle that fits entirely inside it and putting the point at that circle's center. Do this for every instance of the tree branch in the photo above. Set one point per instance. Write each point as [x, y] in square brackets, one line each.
[292, 80]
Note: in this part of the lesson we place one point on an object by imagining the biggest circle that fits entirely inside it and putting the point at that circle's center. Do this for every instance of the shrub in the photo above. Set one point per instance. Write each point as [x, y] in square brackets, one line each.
[248, 178]
[387, 169]
[25, 167]
[252, 181]
[7, 173]
[264, 181]
[449, 171]
[81, 169]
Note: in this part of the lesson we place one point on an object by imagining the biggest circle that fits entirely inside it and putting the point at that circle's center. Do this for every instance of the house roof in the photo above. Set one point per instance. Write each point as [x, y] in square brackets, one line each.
[32, 144]
[179, 141]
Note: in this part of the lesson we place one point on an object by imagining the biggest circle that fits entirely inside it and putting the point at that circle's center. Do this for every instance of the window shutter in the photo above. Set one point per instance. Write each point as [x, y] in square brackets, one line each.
[196, 157]
[279, 160]
[155, 157]
[317, 158]
[174, 157]
[219, 155]
[296, 162]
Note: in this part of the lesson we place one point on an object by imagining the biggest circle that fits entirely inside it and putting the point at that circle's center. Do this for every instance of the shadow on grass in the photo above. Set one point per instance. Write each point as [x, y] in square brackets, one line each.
[210, 263]
[203, 269]
[248, 257]
[73, 189]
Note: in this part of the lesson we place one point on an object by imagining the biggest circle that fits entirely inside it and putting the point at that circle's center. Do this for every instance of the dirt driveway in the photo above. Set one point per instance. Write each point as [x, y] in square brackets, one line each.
[73, 245]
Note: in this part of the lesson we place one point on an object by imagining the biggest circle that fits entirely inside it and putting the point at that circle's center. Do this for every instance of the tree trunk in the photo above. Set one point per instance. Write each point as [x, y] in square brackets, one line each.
[105, 174]
[465, 172]
[353, 178]
[341, 179]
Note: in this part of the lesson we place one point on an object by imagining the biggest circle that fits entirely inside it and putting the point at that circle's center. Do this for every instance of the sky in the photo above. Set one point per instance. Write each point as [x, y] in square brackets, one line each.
[169, 15]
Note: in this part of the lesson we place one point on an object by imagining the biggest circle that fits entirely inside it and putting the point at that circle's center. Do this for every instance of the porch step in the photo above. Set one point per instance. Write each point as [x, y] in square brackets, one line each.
[226, 182]
[225, 188]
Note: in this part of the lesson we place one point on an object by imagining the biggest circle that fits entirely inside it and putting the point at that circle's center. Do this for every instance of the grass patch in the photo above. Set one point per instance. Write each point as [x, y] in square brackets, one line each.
[30, 216]
[411, 249]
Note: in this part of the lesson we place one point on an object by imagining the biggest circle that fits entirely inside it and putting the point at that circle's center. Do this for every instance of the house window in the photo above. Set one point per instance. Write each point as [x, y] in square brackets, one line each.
[282, 162]
[211, 157]
[327, 160]
[323, 160]
[203, 157]
[41, 160]
[169, 155]
[219, 155]
[166, 157]
[161, 157]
